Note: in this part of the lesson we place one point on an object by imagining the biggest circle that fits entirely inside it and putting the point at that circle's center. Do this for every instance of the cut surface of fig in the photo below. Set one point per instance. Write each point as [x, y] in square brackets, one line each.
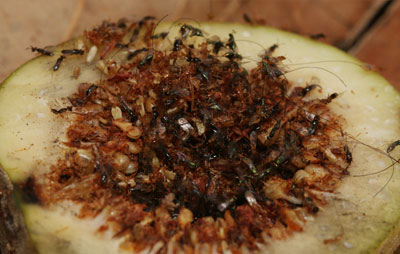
[175, 140]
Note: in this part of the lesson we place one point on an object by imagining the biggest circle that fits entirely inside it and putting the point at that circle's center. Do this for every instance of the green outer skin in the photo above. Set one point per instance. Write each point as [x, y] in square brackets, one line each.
[382, 211]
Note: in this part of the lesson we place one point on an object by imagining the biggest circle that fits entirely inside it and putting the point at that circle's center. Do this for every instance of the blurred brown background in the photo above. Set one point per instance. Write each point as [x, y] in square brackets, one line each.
[368, 29]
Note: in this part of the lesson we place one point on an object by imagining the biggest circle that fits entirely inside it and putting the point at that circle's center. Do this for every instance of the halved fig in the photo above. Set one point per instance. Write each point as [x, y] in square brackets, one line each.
[201, 138]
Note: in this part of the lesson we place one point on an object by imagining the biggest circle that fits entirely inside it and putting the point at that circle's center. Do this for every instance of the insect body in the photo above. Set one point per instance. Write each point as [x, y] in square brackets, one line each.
[136, 52]
[271, 70]
[91, 89]
[143, 20]
[314, 125]
[231, 42]
[186, 29]
[272, 48]
[72, 51]
[58, 63]
[232, 55]
[247, 18]
[349, 156]
[217, 46]
[41, 51]
[308, 89]
[177, 44]
[274, 129]
[330, 98]
[317, 36]
[146, 60]
[392, 146]
[60, 111]
[160, 35]
[134, 36]
[193, 59]
[120, 45]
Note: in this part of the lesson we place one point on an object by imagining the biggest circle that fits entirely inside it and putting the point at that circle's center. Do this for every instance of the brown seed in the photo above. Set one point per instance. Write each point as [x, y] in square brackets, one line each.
[301, 175]
[132, 182]
[169, 174]
[152, 94]
[92, 54]
[155, 162]
[83, 157]
[121, 161]
[116, 113]
[316, 170]
[172, 110]
[134, 147]
[77, 72]
[140, 104]
[201, 129]
[185, 216]
[134, 133]
[102, 66]
[132, 167]
[124, 126]
[150, 103]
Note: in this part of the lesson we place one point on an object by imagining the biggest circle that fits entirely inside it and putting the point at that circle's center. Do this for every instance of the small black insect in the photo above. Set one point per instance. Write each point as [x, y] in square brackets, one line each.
[186, 29]
[177, 44]
[122, 23]
[217, 46]
[72, 51]
[146, 18]
[104, 178]
[330, 98]
[125, 107]
[314, 125]
[62, 110]
[231, 56]
[193, 59]
[317, 36]
[349, 156]
[136, 52]
[231, 42]
[91, 89]
[271, 70]
[204, 74]
[164, 152]
[392, 146]
[247, 18]
[308, 89]
[41, 51]
[267, 113]
[276, 127]
[275, 108]
[28, 191]
[146, 60]
[160, 35]
[211, 157]
[58, 63]
[272, 48]
[134, 36]
[154, 117]
[121, 46]
[165, 119]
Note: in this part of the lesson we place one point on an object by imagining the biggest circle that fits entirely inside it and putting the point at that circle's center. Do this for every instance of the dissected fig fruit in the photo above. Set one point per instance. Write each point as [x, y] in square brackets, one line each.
[200, 138]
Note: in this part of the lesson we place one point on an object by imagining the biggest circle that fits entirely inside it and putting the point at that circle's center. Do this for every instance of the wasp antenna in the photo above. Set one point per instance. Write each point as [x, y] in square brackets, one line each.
[256, 43]
[319, 68]
[154, 29]
[328, 61]
[387, 182]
